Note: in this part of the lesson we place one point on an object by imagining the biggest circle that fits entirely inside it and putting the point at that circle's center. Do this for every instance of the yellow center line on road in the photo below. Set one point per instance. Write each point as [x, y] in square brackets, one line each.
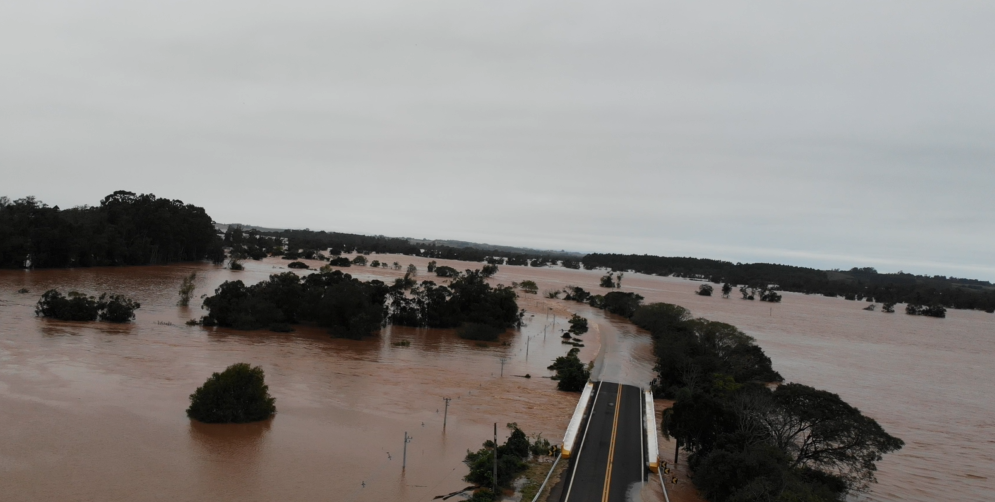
[611, 448]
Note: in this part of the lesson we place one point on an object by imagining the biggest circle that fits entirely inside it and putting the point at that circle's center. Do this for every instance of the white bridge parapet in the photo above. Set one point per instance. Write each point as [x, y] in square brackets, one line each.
[573, 429]
[652, 444]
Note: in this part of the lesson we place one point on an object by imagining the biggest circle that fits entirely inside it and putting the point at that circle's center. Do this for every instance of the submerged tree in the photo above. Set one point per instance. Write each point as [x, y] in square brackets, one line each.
[117, 308]
[80, 307]
[578, 324]
[238, 394]
[489, 270]
[186, 289]
[705, 290]
[571, 375]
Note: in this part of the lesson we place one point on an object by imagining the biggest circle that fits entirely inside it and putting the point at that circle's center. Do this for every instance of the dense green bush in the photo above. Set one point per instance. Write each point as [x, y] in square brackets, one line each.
[623, 304]
[117, 308]
[341, 261]
[571, 375]
[80, 307]
[578, 324]
[489, 270]
[74, 308]
[691, 350]
[467, 299]
[238, 394]
[934, 310]
[348, 307]
[445, 271]
[511, 458]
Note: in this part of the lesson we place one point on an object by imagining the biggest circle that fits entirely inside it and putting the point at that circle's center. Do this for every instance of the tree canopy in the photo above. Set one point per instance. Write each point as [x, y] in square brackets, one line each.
[80, 307]
[349, 308]
[125, 229]
[746, 441]
[238, 394]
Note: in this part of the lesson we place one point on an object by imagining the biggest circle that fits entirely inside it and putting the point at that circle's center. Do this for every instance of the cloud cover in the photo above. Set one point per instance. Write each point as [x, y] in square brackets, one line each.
[833, 135]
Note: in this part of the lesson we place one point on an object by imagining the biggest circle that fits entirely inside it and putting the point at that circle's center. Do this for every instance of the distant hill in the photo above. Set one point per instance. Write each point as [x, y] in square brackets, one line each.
[510, 250]
[496, 247]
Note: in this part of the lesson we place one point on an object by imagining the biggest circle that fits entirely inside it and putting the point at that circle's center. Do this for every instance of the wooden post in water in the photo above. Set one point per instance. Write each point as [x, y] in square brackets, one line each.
[446, 415]
[404, 460]
[495, 460]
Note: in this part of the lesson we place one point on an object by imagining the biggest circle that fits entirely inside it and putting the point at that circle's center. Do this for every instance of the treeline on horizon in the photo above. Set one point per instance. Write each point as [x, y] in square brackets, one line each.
[338, 243]
[125, 229]
[130, 229]
[855, 284]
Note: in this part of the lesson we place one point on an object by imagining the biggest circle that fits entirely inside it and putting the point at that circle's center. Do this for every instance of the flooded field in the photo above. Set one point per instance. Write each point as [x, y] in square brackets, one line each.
[94, 411]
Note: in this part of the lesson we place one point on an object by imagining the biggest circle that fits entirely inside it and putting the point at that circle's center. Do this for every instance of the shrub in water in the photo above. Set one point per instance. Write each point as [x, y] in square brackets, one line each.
[118, 308]
[236, 395]
[75, 308]
[80, 307]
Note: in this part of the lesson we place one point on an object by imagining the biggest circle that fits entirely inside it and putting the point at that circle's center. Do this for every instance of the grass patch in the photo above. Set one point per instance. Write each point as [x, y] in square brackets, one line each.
[534, 476]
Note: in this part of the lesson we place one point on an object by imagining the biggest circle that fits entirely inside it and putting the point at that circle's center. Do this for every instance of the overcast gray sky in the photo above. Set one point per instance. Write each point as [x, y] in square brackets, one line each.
[827, 134]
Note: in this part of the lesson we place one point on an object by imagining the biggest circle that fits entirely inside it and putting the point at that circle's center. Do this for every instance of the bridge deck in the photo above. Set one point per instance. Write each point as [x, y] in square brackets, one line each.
[610, 455]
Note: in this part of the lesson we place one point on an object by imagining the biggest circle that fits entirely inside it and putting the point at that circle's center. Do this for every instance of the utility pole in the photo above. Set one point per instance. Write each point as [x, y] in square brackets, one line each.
[495, 459]
[446, 415]
[544, 333]
[404, 461]
[527, 340]
[502, 367]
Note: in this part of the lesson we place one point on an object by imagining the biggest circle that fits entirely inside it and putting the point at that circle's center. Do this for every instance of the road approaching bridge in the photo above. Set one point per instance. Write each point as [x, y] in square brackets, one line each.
[611, 448]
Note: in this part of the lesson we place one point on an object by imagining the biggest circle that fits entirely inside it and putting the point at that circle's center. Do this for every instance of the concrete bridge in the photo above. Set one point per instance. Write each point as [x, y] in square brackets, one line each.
[610, 444]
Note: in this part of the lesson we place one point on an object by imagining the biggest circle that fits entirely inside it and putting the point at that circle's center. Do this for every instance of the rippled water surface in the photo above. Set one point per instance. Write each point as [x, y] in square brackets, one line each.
[94, 411]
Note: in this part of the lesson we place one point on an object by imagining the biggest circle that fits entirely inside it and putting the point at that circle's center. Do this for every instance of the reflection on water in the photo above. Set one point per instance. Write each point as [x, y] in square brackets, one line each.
[229, 462]
[240, 442]
[103, 404]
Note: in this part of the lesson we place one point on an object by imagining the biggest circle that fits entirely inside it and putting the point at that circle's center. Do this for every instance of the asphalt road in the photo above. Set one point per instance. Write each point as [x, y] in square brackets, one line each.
[612, 450]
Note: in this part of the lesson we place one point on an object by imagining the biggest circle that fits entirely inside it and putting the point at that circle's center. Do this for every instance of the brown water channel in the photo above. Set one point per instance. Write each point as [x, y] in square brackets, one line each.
[94, 411]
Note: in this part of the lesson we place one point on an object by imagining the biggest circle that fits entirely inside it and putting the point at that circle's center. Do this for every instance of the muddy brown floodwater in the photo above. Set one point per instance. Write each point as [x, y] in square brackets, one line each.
[95, 411]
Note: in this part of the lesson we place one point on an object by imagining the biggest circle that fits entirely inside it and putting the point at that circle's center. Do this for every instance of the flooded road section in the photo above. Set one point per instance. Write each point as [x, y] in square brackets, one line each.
[95, 411]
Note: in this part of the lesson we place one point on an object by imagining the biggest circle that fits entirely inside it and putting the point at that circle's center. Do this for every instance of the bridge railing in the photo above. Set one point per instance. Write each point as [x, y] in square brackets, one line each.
[573, 429]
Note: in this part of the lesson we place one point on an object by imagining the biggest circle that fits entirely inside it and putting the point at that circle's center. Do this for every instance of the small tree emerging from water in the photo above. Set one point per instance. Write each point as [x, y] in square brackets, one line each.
[578, 324]
[117, 308]
[489, 270]
[238, 394]
[571, 375]
[186, 289]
